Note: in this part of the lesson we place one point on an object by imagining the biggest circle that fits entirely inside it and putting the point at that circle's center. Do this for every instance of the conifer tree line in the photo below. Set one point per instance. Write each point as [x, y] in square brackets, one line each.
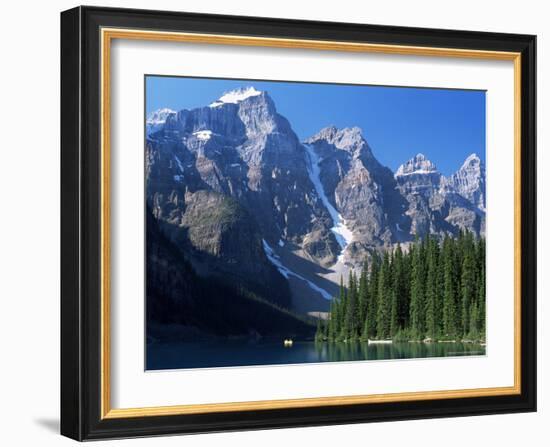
[435, 290]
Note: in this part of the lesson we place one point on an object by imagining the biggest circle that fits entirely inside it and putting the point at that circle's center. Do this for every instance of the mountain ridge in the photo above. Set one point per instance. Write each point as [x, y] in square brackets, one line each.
[301, 196]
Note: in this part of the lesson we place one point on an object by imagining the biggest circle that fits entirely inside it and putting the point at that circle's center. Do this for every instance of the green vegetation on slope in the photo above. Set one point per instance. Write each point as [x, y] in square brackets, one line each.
[434, 291]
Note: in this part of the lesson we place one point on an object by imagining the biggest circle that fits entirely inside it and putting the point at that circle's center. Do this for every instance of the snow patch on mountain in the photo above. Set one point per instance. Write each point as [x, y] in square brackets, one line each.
[203, 135]
[417, 171]
[286, 272]
[342, 233]
[236, 96]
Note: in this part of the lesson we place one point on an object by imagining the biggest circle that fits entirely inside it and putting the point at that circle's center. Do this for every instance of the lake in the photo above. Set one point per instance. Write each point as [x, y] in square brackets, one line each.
[211, 354]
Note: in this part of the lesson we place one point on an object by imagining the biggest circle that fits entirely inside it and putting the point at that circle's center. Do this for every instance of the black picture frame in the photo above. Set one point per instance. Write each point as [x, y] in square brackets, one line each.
[81, 224]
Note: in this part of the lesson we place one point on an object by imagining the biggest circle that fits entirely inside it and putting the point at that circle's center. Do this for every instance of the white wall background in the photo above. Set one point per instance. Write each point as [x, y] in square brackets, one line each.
[29, 228]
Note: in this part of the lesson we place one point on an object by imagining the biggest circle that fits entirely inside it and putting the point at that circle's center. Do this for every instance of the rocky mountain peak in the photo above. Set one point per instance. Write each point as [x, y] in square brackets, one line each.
[326, 133]
[258, 113]
[156, 119]
[469, 181]
[159, 116]
[250, 107]
[419, 164]
[472, 162]
[418, 177]
[237, 115]
[350, 137]
[347, 138]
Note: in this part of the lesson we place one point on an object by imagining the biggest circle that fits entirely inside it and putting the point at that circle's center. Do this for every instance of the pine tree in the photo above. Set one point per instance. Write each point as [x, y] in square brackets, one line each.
[384, 299]
[481, 302]
[363, 297]
[394, 319]
[341, 312]
[417, 306]
[319, 331]
[400, 289]
[467, 282]
[352, 308]
[449, 289]
[332, 325]
[474, 329]
[397, 291]
[481, 287]
[406, 296]
[433, 319]
[372, 308]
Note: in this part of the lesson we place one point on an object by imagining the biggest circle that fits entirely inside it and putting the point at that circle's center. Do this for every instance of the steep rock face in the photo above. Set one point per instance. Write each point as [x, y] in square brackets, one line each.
[469, 181]
[360, 188]
[418, 181]
[155, 121]
[240, 148]
[440, 205]
[182, 305]
[245, 150]
[418, 176]
[221, 239]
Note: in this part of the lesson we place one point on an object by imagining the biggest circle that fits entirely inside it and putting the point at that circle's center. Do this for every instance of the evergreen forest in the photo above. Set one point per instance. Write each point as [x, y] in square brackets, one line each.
[432, 291]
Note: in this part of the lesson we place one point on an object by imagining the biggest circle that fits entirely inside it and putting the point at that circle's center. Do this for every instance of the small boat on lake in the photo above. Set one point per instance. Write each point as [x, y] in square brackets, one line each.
[288, 343]
[377, 342]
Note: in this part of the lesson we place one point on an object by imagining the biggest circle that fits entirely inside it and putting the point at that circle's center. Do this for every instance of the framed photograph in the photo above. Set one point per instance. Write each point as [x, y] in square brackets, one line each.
[273, 223]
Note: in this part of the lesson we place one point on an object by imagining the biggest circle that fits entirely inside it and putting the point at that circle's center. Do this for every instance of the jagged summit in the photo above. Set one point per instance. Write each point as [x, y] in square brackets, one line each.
[156, 119]
[236, 96]
[419, 164]
[326, 133]
[472, 160]
[469, 181]
[349, 139]
[159, 116]
[338, 137]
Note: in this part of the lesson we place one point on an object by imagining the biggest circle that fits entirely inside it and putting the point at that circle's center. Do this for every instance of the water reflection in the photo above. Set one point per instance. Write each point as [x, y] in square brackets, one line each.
[223, 353]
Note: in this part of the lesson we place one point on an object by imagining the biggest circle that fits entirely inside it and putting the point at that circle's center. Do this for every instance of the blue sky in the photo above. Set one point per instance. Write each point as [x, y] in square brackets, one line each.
[398, 122]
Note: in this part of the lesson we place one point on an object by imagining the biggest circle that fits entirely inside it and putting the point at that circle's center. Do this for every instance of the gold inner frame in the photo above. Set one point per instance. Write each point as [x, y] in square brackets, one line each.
[107, 35]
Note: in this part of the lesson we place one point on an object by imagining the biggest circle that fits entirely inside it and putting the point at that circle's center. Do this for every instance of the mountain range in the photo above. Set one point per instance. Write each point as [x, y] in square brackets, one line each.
[242, 200]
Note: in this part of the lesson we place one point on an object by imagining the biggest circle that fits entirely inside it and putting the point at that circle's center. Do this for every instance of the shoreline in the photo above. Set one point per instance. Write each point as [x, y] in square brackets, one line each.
[391, 341]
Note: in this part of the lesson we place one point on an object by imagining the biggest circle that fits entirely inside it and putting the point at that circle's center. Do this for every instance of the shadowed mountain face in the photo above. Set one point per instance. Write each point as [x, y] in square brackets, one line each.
[234, 190]
[182, 305]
